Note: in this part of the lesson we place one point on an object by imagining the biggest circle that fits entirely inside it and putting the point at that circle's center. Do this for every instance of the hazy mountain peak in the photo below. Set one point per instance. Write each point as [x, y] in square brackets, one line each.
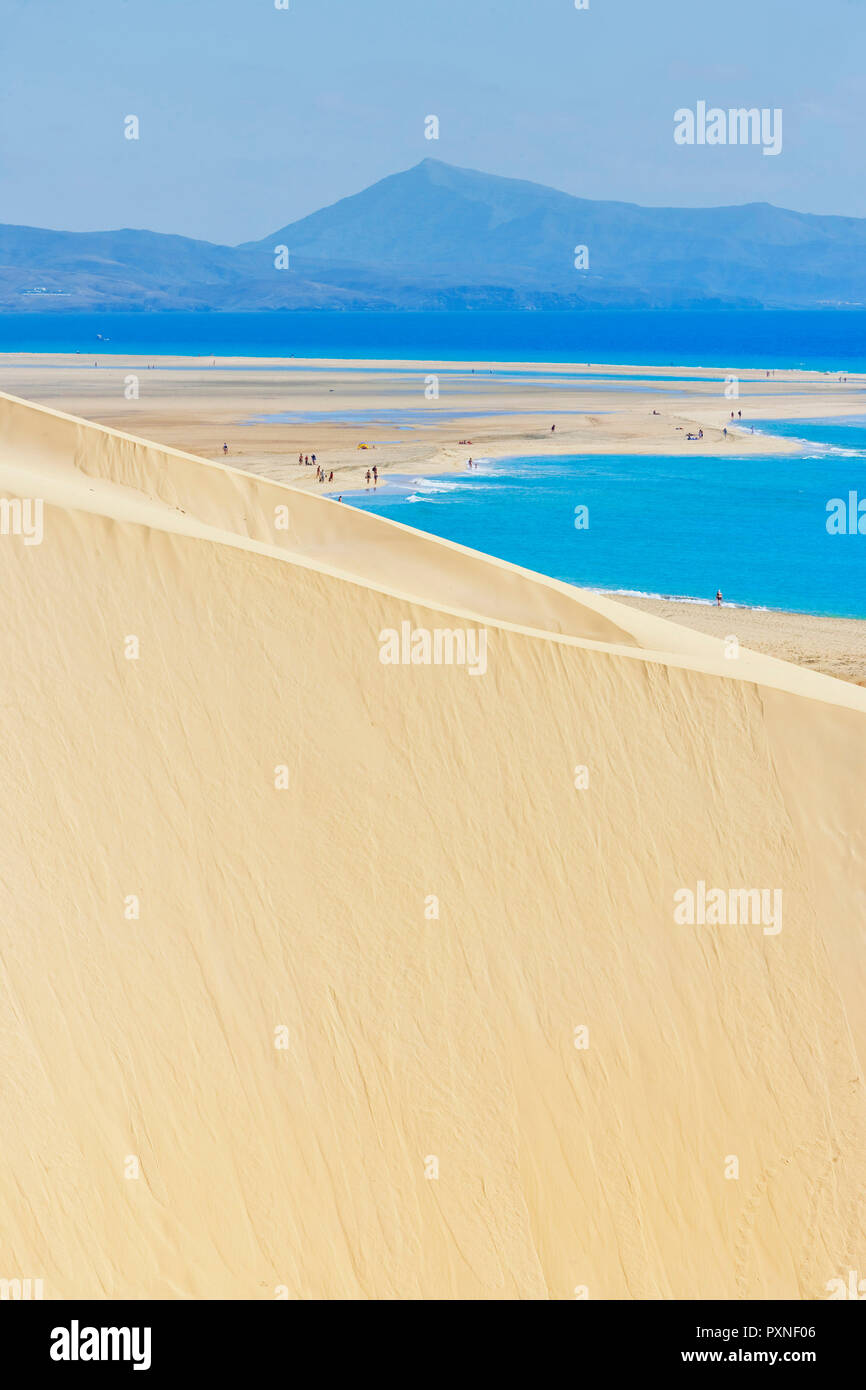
[436, 235]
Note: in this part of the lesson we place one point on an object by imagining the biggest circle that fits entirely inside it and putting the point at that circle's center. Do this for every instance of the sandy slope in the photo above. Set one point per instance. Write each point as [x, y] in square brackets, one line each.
[407, 1037]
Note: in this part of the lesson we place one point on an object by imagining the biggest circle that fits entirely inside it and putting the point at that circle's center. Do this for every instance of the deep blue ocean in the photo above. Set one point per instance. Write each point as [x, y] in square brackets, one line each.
[756, 528]
[822, 340]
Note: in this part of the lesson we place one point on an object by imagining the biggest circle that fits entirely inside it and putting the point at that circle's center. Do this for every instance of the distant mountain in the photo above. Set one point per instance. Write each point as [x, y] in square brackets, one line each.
[440, 237]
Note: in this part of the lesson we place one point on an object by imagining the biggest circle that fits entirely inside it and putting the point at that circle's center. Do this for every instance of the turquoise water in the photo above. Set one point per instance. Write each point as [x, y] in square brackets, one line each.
[753, 527]
[822, 340]
[844, 433]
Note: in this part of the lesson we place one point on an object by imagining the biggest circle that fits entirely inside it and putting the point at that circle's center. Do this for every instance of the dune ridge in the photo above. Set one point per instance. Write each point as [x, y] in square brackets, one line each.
[410, 1037]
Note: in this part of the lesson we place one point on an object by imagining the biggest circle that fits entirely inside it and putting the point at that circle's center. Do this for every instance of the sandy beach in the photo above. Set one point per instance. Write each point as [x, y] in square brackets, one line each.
[836, 646]
[499, 410]
[197, 404]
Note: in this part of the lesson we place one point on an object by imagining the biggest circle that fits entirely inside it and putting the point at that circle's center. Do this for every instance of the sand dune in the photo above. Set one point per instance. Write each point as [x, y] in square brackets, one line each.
[410, 1036]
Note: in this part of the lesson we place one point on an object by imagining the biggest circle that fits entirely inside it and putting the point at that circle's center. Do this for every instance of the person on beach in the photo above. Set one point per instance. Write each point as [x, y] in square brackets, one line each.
[718, 598]
[225, 450]
[313, 458]
[375, 475]
[553, 429]
[368, 477]
[725, 431]
[306, 460]
[300, 458]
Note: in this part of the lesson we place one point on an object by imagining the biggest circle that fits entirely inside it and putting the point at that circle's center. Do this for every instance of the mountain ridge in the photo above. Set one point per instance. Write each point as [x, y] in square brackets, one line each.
[439, 236]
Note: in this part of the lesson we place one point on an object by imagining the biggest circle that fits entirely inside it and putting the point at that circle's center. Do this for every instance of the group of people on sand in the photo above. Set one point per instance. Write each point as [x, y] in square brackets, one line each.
[309, 461]
[374, 476]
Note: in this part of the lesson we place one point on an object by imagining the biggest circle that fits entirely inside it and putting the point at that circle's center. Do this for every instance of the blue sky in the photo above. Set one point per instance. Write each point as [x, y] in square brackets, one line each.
[252, 117]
